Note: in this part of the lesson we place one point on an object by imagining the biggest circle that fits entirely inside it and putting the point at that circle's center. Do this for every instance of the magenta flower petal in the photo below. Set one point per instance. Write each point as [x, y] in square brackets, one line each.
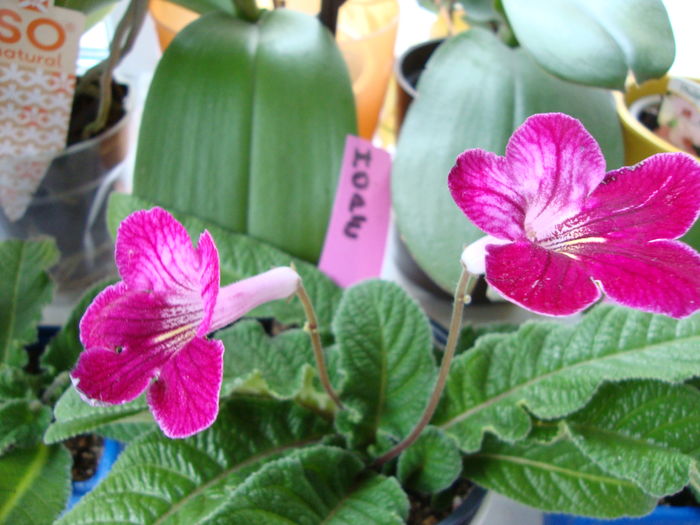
[579, 225]
[105, 376]
[147, 332]
[555, 164]
[661, 276]
[656, 199]
[481, 184]
[540, 280]
[209, 279]
[120, 319]
[154, 252]
[185, 396]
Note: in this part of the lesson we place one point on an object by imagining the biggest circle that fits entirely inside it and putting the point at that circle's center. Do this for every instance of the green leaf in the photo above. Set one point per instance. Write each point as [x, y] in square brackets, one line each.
[473, 94]
[281, 362]
[317, 485]
[431, 464]
[643, 431]
[161, 480]
[384, 340]
[256, 118]
[595, 42]
[14, 383]
[551, 370]
[205, 6]
[74, 416]
[34, 484]
[555, 478]
[241, 256]
[64, 348]
[22, 423]
[25, 287]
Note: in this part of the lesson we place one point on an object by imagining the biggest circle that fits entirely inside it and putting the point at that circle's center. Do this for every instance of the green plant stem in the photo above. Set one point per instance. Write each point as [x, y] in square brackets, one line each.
[124, 37]
[312, 328]
[462, 297]
[247, 9]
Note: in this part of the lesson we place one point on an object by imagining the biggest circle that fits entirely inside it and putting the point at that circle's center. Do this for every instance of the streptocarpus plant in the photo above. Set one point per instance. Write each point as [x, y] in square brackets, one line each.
[598, 418]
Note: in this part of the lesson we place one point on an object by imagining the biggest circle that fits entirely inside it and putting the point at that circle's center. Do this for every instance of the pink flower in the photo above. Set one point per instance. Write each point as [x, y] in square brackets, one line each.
[561, 229]
[147, 332]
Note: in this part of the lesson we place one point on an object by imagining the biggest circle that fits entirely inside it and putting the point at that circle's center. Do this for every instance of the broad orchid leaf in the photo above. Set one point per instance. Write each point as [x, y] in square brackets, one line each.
[386, 354]
[34, 484]
[22, 423]
[241, 256]
[205, 6]
[473, 94]
[64, 348]
[25, 288]
[643, 431]
[279, 363]
[431, 464]
[74, 416]
[595, 42]
[551, 370]
[245, 125]
[317, 485]
[555, 478]
[159, 480]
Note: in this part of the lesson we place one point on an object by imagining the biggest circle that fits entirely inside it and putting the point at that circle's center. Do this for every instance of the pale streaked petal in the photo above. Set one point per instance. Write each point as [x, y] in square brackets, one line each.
[555, 164]
[482, 186]
[209, 279]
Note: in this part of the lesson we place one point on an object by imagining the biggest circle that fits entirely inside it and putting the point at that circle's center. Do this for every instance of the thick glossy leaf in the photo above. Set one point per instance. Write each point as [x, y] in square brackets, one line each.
[34, 484]
[22, 423]
[317, 485]
[280, 363]
[161, 480]
[63, 350]
[245, 125]
[643, 431]
[552, 370]
[25, 288]
[74, 416]
[595, 42]
[555, 478]
[431, 464]
[241, 256]
[385, 347]
[473, 94]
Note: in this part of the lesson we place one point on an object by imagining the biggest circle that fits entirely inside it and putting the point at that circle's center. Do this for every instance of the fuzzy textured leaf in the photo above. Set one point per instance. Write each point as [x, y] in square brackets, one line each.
[22, 422]
[431, 464]
[386, 353]
[317, 485]
[245, 125]
[473, 94]
[281, 361]
[161, 480]
[34, 484]
[643, 431]
[595, 42]
[74, 416]
[25, 287]
[241, 256]
[551, 370]
[555, 478]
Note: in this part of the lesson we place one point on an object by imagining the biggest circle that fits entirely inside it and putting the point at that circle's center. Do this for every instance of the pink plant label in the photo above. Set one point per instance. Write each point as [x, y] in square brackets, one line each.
[356, 237]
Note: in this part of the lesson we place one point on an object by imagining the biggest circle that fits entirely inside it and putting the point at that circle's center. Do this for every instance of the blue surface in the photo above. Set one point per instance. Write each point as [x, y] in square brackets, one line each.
[662, 515]
[109, 456]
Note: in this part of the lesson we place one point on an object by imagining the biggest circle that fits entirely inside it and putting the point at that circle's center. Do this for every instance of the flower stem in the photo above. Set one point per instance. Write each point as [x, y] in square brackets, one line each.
[462, 297]
[312, 328]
